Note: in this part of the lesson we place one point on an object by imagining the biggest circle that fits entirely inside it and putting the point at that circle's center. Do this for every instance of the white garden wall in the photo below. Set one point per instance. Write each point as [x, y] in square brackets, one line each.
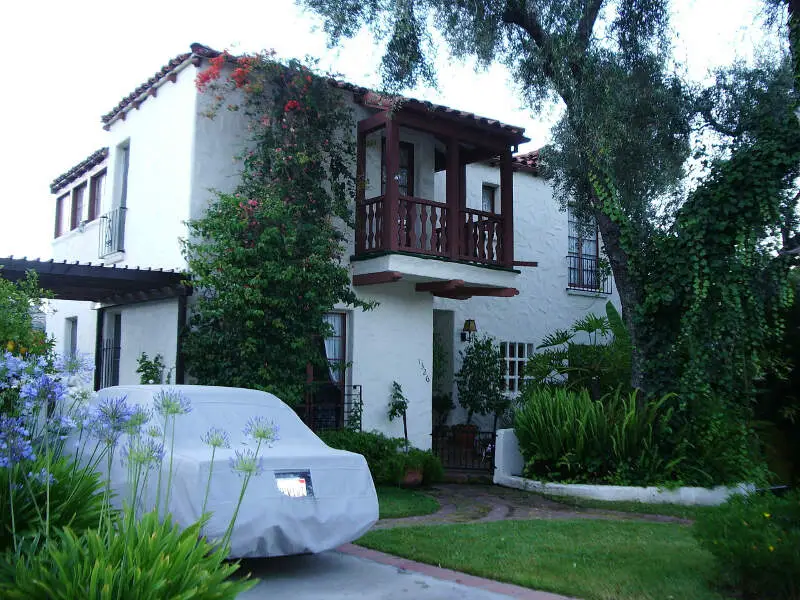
[149, 327]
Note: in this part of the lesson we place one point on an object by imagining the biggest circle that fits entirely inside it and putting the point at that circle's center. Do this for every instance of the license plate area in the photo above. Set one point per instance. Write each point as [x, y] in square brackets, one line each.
[295, 484]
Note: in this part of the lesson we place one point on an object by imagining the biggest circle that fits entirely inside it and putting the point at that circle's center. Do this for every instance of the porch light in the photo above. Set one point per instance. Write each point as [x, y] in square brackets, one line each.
[468, 333]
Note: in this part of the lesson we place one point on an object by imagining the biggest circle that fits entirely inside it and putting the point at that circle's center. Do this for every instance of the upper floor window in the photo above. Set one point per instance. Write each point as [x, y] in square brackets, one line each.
[123, 165]
[62, 204]
[515, 355]
[405, 173]
[98, 184]
[488, 194]
[78, 195]
[583, 258]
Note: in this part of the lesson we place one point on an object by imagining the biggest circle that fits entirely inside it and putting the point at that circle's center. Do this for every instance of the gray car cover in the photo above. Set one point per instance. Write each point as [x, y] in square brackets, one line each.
[340, 505]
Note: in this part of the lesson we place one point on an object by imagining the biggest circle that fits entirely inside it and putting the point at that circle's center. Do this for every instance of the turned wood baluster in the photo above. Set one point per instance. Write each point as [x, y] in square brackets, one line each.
[370, 216]
[423, 218]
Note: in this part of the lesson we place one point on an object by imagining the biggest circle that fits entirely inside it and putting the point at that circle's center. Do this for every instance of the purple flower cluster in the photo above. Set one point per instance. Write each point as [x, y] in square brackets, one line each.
[145, 452]
[15, 442]
[245, 463]
[110, 419]
[262, 430]
[11, 369]
[44, 389]
[74, 365]
[170, 403]
[216, 438]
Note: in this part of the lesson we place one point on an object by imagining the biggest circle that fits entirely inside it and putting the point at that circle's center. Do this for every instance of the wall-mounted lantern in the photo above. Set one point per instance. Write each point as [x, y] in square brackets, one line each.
[468, 333]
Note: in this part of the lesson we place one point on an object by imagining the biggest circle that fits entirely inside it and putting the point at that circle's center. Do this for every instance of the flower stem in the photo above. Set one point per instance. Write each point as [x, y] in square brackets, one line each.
[158, 488]
[169, 476]
[208, 483]
[11, 502]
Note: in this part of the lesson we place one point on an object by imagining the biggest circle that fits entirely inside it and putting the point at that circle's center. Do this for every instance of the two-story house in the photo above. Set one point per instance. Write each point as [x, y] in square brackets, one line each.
[451, 229]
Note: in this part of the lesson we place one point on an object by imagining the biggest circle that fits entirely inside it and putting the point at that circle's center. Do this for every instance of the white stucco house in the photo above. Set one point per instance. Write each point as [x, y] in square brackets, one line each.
[479, 238]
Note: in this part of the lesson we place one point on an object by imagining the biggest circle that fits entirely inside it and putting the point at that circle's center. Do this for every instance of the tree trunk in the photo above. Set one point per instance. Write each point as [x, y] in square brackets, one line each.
[627, 290]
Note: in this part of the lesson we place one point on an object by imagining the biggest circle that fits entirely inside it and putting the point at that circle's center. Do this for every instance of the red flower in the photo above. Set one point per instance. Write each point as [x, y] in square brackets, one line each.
[291, 105]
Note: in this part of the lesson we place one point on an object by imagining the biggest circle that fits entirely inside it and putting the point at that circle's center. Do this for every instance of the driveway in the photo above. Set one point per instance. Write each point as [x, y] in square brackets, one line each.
[356, 573]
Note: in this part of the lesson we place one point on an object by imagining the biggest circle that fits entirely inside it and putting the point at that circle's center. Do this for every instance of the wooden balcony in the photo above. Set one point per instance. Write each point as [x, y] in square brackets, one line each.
[424, 227]
[404, 224]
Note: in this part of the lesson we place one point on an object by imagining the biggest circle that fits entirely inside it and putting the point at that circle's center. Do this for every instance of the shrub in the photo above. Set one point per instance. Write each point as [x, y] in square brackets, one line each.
[564, 435]
[480, 379]
[756, 542]
[385, 458]
[144, 559]
[76, 498]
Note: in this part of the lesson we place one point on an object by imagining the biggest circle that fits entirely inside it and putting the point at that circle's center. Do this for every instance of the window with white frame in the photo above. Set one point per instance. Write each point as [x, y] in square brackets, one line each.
[515, 355]
[488, 194]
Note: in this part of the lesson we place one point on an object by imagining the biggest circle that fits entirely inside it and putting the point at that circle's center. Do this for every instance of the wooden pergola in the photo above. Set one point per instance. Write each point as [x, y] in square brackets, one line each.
[392, 222]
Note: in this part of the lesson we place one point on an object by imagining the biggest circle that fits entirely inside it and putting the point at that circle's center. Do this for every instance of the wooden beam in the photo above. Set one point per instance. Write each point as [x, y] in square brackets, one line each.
[477, 155]
[431, 124]
[392, 195]
[526, 263]
[376, 121]
[373, 278]
[507, 207]
[488, 291]
[453, 183]
[440, 286]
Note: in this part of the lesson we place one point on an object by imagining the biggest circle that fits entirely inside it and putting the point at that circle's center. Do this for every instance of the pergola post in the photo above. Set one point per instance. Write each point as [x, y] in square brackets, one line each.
[507, 207]
[453, 198]
[361, 189]
[391, 199]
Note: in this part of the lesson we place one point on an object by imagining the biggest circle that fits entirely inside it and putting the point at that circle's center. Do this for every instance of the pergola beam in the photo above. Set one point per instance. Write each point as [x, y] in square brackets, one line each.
[375, 278]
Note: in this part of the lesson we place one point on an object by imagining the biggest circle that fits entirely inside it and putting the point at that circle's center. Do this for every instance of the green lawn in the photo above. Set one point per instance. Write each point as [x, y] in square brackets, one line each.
[589, 559]
[672, 510]
[397, 502]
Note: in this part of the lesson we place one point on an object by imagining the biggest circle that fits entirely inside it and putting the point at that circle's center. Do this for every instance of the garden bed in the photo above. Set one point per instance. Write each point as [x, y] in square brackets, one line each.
[509, 465]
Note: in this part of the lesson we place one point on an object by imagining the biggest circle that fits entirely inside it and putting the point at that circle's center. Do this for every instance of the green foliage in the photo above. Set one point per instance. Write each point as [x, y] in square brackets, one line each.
[564, 435]
[17, 301]
[144, 559]
[480, 379]
[387, 461]
[151, 371]
[756, 541]
[398, 403]
[599, 366]
[75, 498]
[267, 258]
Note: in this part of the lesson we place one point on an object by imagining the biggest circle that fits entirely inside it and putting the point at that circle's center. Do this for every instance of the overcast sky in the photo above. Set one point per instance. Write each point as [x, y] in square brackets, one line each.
[67, 63]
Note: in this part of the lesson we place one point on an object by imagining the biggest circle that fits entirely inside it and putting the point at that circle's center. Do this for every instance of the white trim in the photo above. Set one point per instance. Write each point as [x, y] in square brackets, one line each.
[587, 293]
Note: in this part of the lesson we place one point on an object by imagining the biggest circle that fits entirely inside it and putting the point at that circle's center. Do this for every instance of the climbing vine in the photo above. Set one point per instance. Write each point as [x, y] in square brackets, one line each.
[266, 259]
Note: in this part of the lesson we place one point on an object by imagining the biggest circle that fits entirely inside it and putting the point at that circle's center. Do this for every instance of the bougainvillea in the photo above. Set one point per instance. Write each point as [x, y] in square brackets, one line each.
[266, 259]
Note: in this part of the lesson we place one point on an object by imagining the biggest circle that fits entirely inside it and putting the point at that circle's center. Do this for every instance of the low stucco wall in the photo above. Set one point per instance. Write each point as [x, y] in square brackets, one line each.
[509, 465]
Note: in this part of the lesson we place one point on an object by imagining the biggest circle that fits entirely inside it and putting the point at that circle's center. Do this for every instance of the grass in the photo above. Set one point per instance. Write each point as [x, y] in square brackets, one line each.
[397, 502]
[589, 559]
[671, 510]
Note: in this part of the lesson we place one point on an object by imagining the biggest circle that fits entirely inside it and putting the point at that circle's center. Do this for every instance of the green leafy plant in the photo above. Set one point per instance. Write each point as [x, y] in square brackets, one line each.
[386, 457]
[756, 541]
[600, 366]
[480, 380]
[564, 435]
[148, 558]
[269, 254]
[18, 300]
[151, 371]
[398, 406]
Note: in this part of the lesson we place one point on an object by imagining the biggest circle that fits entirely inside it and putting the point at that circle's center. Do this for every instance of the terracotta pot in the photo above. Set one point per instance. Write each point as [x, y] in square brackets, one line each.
[412, 478]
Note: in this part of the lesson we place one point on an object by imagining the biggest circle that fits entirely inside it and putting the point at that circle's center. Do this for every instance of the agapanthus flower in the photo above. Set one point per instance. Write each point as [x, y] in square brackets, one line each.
[216, 438]
[11, 368]
[139, 418]
[15, 443]
[74, 365]
[261, 430]
[44, 388]
[111, 419]
[246, 463]
[154, 431]
[171, 403]
[43, 477]
[143, 452]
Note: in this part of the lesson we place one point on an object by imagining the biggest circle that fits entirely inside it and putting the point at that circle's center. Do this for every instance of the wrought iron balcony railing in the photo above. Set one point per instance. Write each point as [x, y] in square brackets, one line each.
[585, 273]
[112, 232]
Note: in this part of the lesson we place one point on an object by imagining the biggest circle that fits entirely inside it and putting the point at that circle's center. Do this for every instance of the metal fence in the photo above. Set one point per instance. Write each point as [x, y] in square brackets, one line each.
[112, 232]
[585, 274]
[109, 364]
[465, 449]
[331, 406]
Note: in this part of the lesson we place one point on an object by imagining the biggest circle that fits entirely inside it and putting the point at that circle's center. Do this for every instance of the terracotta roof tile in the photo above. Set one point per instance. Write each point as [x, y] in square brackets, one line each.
[86, 165]
[529, 160]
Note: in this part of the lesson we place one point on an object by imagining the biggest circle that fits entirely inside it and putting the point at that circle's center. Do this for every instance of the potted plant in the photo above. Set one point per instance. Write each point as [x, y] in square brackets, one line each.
[480, 382]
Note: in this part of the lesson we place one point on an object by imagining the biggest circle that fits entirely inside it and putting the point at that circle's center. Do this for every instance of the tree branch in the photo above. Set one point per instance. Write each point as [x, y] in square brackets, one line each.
[591, 9]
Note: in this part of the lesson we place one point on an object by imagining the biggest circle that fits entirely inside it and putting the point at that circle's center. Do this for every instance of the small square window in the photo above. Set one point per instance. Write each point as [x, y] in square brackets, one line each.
[488, 198]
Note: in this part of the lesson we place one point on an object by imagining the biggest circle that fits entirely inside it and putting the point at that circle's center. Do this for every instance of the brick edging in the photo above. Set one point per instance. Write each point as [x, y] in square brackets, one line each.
[497, 587]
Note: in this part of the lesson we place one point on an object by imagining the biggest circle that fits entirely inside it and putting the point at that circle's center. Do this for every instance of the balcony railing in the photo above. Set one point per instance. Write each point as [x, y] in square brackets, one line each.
[423, 227]
[584, 273]
[112, 232]
[331, 406]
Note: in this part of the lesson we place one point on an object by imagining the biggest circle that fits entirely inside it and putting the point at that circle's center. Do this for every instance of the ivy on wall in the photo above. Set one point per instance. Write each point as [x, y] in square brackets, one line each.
[266, 259]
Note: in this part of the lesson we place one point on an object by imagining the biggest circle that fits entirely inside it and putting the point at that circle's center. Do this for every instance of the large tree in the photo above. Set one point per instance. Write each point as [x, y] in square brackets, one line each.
[620, 149]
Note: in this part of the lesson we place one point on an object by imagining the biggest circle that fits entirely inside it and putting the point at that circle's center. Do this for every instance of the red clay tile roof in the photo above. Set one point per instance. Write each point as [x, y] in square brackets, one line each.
[145, 87]
[75, 172]
[199, 50]
[528, 161]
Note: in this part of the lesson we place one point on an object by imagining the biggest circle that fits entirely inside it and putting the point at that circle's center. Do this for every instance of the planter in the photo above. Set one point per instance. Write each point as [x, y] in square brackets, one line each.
[412, 478]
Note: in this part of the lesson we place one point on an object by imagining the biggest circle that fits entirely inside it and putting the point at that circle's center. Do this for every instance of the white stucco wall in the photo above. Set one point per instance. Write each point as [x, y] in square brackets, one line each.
[392, 343]
[58, 311]
[161, 137]
[543, 304]
[149, 327]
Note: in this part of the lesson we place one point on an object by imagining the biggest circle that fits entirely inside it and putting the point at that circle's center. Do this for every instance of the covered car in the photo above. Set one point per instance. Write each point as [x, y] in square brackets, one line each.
[308, 498]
